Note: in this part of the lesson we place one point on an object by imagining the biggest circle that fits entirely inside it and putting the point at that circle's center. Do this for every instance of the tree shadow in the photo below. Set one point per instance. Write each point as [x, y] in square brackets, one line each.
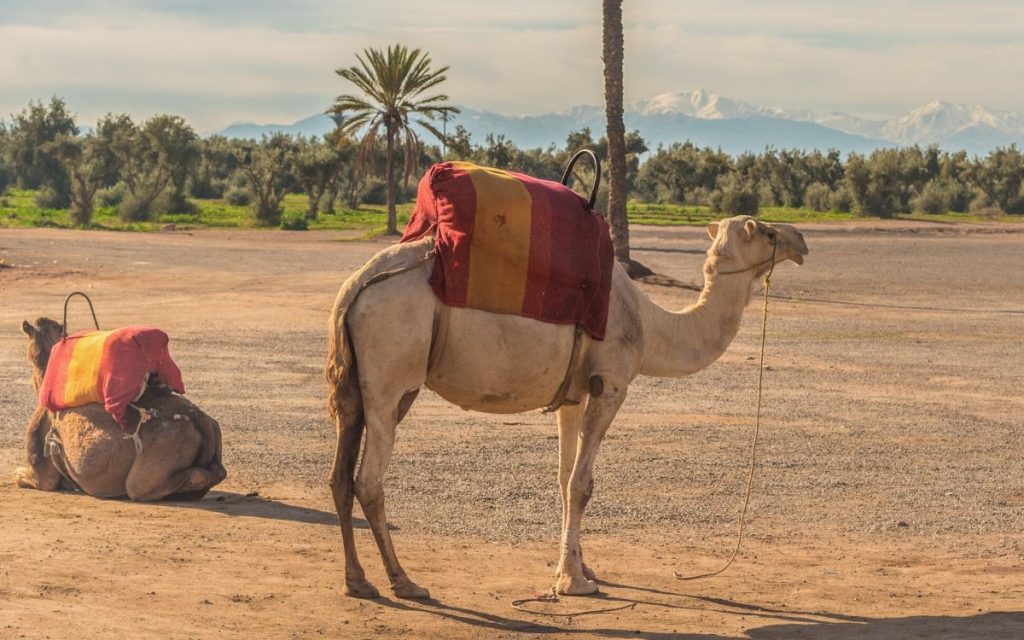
[254, 506]
[1006, 624]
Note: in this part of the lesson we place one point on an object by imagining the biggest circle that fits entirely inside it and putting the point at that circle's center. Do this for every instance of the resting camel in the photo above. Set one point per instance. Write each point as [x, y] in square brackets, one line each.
[84, 447]
[384, 345]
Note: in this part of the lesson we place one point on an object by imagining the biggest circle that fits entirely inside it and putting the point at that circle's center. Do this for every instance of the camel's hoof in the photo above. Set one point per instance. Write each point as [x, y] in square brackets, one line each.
[569, 586]
[588, 573]
[406, 588]
[361, 589]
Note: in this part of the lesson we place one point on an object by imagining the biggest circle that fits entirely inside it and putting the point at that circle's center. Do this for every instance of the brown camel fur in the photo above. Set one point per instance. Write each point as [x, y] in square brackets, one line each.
[85, 448]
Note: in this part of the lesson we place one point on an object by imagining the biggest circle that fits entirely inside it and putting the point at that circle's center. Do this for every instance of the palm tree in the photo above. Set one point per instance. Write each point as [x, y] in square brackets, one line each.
[393, 83]
[612, 41]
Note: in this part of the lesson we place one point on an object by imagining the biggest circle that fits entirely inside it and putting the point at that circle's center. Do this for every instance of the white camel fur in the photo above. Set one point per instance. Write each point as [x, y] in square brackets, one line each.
[384, 344]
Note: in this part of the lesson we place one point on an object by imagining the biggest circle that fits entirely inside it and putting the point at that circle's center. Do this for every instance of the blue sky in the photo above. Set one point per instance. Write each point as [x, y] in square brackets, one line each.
[217, 62]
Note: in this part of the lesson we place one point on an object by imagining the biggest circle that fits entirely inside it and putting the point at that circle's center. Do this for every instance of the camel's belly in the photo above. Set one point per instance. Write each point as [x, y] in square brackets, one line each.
[499, 363]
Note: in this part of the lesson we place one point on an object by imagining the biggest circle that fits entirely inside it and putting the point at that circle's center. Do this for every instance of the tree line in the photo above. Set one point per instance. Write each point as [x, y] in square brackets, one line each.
[161, 164]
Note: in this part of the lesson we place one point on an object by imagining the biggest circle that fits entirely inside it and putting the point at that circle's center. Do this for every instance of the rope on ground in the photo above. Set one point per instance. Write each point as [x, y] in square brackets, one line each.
[551, 598]
[753, 446]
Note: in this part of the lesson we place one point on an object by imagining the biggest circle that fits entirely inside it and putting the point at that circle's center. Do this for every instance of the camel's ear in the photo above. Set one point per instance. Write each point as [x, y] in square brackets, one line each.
[750, 226]
[27, 328]
[713, 230]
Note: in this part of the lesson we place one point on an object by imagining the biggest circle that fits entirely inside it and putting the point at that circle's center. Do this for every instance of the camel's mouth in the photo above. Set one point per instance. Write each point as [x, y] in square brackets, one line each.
[794, 244]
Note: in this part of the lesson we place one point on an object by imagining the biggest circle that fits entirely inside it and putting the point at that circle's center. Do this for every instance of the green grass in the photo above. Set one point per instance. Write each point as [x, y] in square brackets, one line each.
[18, 209]
[690, 215]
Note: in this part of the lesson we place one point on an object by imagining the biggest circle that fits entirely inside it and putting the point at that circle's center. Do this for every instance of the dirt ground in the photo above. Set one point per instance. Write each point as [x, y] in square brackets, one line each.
[889, 499]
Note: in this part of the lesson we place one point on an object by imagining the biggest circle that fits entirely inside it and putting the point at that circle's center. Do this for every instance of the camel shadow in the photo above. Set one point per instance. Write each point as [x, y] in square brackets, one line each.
[626, 623]
[807, 625]
[1005, 624]
[254, 506]
[485, 620]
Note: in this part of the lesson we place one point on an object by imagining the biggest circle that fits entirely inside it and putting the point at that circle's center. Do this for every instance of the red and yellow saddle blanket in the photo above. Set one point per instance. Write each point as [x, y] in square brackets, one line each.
[509, 243]
[109, 367]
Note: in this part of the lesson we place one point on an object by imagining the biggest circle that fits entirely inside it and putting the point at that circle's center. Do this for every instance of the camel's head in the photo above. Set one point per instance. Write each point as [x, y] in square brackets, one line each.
[41, 337]
[742, 243]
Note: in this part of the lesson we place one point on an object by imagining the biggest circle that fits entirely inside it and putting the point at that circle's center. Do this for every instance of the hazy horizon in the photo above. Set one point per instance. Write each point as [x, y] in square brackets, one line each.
[261, 61]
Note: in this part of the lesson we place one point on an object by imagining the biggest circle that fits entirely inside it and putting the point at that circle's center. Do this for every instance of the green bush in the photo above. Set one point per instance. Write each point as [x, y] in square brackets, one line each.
[842, 200]
[294, 222]
[734, 197]
[375, 192]
[170, 202]
[111, 196]
[818, 197]
[267, 213]
[50, 198]
[134, 209]
[932, 199]
[238, 196]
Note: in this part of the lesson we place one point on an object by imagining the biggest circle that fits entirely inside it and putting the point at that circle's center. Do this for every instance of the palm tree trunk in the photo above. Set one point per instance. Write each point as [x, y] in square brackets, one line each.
[392, 218]
[612, 40]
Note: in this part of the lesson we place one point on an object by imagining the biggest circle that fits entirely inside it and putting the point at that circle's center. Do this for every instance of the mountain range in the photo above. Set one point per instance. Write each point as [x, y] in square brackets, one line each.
[708, 119]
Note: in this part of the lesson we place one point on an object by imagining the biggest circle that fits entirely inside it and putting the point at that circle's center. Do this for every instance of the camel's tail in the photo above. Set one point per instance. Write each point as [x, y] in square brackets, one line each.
[345, 400]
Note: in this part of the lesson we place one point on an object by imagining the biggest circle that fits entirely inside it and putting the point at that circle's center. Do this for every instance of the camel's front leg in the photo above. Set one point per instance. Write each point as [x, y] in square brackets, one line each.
[570, 420]
[380, 441]
[598, 416]
[40, 472]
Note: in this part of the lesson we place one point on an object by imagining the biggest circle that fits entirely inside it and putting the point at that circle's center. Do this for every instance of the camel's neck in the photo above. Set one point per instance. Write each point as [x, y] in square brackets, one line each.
[680, 343]
[39, 359]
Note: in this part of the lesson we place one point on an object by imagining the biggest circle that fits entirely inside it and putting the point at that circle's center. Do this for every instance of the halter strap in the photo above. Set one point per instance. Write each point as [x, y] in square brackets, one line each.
[770, 260]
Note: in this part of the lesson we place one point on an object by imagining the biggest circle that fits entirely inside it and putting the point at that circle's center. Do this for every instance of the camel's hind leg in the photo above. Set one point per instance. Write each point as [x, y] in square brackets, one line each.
[380, 441]
[40, 472]
[165, 465]
[342, 480]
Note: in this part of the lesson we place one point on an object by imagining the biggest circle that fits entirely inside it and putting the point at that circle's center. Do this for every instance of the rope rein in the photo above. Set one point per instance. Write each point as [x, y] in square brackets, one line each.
[551, 598]
[757, 431]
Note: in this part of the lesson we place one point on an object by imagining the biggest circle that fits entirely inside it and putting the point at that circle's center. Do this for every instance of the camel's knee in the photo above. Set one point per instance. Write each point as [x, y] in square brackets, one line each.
[32, 477]
[369, 492]
[26, 478]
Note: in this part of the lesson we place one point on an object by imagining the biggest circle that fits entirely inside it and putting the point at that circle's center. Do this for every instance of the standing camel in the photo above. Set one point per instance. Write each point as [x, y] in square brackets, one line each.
[84, 447]
[389, 335]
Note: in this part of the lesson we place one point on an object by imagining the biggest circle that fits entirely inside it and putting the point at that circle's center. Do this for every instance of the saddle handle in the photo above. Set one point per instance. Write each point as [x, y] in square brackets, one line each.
[597, 173]
[64, 327]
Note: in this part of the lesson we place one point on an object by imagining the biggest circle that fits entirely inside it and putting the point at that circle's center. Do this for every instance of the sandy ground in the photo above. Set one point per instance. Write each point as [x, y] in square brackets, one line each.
[889, 500]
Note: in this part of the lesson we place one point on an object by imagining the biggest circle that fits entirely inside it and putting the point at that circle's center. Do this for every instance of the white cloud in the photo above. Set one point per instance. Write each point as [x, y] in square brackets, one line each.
[218, 62]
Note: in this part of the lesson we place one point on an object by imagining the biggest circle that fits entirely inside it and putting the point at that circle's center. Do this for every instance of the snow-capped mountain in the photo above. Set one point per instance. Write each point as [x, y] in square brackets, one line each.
[940, 120]
[708, 119]
[937, 122]
[711, 106]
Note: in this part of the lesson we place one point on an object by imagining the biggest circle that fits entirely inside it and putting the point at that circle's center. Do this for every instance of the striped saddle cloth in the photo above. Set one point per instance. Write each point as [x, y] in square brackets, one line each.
[510, 243]
[108, 367]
